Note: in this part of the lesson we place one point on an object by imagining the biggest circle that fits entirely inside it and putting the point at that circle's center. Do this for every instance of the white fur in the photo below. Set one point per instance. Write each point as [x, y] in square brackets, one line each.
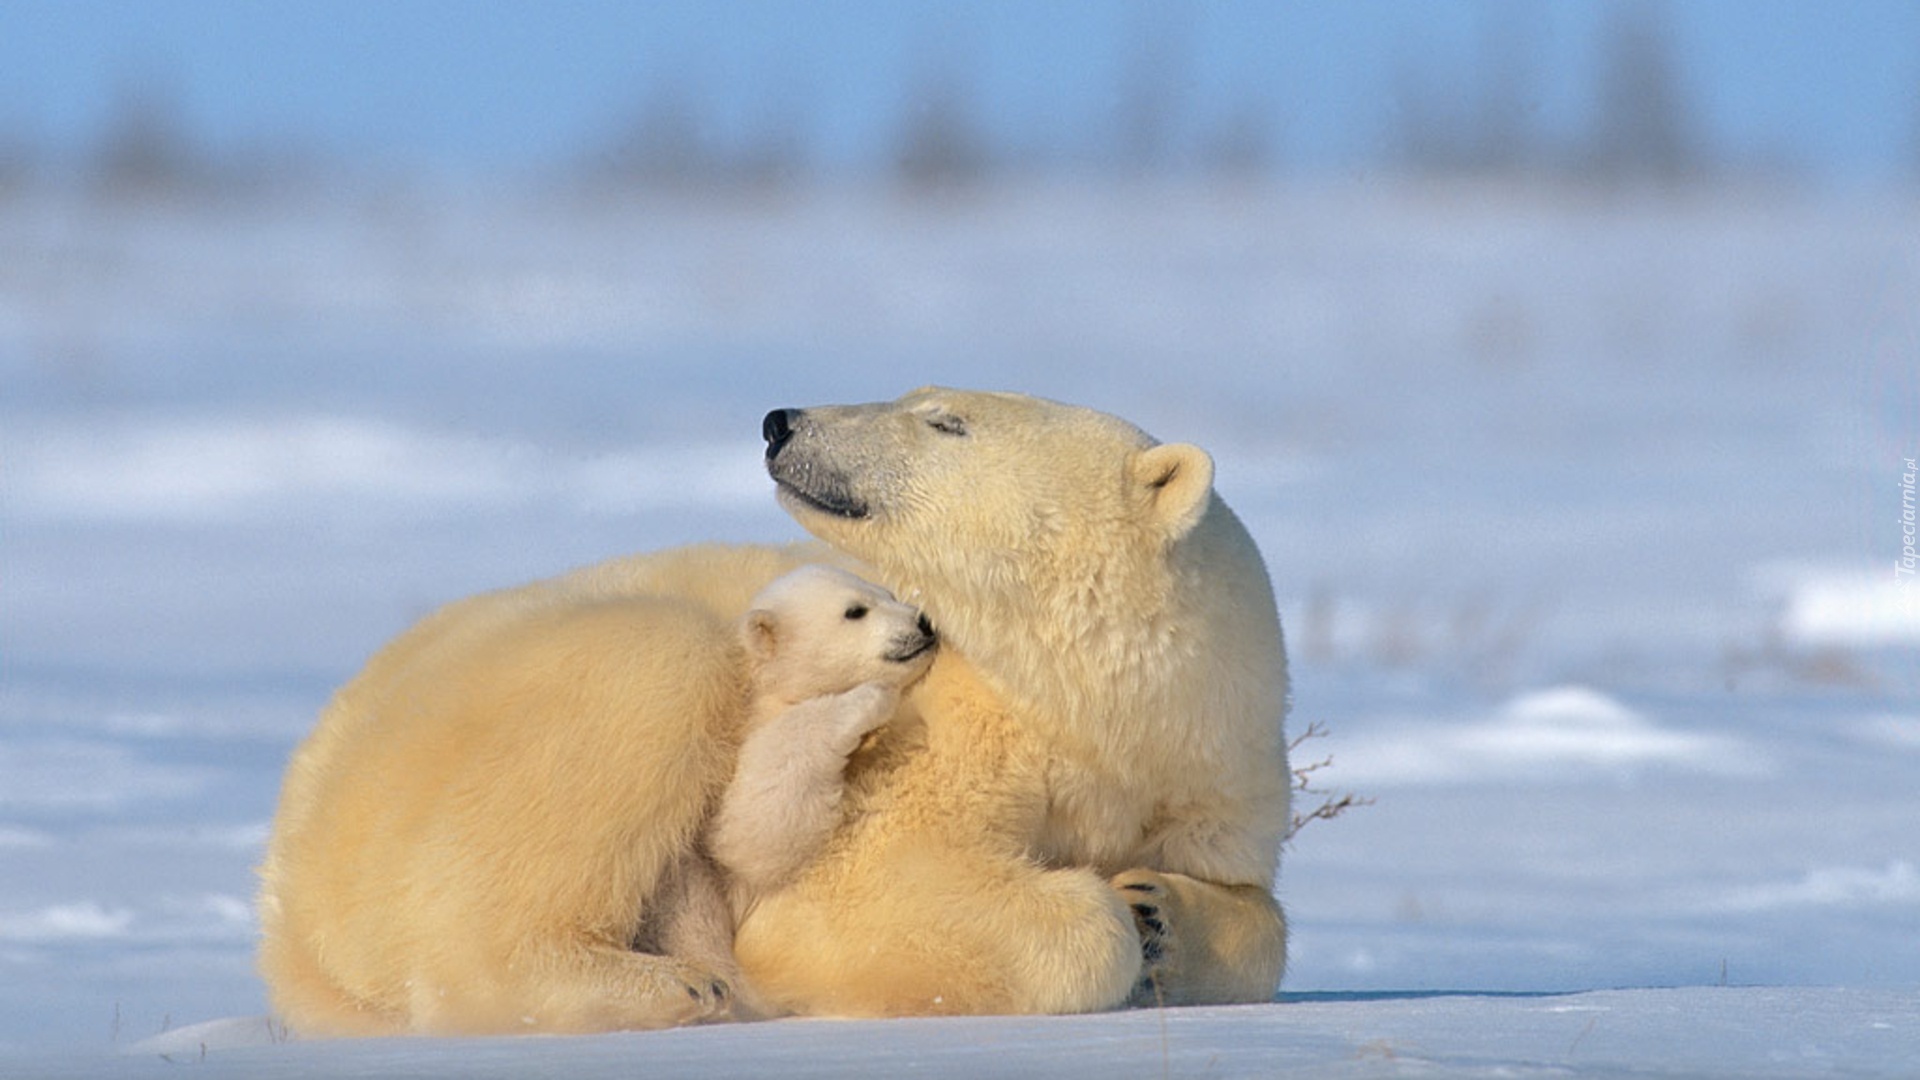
[1108, 704]
[491, 815]
[822, 682]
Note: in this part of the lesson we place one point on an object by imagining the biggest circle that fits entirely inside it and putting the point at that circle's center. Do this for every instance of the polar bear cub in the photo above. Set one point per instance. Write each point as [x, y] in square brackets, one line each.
[828, 654]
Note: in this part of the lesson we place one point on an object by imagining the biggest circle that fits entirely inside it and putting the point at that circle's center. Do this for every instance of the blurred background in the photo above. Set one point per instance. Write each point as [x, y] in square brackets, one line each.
[224, 98]
[1564, 358]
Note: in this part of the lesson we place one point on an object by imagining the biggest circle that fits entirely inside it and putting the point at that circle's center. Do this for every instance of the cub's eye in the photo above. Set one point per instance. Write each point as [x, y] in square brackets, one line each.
[947, 424]
[857, 611]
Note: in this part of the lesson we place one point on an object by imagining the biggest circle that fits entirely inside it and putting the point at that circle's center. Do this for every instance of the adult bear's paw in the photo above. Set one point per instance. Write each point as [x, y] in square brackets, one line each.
[669, 992]
[1147, 894]
[710, 993]
[663, 991]
[1203, 943]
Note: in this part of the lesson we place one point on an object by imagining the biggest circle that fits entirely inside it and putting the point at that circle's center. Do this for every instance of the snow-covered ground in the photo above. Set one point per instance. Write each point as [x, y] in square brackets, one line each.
[1584, 513]
[1692, 1032]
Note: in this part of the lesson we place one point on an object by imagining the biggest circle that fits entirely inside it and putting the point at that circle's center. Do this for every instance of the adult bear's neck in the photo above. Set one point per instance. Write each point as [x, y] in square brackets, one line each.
[1081, 655]
[1122, 658]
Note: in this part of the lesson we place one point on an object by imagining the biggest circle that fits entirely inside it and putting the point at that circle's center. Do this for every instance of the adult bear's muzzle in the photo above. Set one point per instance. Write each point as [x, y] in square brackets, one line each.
[805, 475]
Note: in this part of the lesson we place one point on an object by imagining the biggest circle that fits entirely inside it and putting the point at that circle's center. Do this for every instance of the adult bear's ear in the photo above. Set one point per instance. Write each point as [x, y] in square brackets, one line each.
[1177, 479]
[760, 633]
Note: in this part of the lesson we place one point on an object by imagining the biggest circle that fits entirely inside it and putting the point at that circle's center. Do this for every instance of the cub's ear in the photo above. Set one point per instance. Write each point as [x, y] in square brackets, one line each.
[1177, 481]
[760, 633]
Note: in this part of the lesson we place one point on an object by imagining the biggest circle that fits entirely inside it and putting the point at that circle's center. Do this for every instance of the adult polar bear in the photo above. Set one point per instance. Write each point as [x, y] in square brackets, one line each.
[1081, 804]
[1102, 730]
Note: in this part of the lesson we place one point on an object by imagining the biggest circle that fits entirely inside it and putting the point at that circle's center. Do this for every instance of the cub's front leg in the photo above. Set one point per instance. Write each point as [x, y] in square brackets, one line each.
[1202, 943]
[787, 787]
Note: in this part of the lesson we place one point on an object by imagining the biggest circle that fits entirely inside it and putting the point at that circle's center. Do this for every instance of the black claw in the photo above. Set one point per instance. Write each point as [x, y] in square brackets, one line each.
[693, 993]
[1154, 925]
[720, 990]
[1145, 911]
[1145, 992]
[1152, 952]
[1141, 886]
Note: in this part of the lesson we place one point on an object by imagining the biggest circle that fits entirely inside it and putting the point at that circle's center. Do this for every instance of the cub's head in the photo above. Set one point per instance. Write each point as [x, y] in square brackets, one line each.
[819, 630]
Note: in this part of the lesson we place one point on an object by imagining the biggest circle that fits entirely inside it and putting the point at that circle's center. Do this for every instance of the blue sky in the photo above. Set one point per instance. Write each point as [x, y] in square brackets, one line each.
[490, 85]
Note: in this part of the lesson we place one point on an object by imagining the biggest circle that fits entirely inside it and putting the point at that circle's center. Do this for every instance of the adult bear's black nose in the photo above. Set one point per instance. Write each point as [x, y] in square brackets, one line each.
[777, 428]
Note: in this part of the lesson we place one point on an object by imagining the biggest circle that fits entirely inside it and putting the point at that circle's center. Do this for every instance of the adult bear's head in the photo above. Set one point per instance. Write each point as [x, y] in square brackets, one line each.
[952, 481]
[994, 510]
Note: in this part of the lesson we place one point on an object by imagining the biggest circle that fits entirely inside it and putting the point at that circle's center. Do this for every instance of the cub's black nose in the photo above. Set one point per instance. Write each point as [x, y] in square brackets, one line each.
[926, 627]
[777, 428]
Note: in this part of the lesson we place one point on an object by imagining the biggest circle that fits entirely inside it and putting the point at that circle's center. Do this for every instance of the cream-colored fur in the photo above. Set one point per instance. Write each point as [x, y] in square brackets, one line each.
[1081, 803]
[463, 844]
[1107, 705]
[562, 894]
[494, 813]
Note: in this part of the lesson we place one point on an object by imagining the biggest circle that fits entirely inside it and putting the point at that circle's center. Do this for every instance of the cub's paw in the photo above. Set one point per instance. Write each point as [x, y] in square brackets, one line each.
[861, 710]
[872, 703]
[1147, 895]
